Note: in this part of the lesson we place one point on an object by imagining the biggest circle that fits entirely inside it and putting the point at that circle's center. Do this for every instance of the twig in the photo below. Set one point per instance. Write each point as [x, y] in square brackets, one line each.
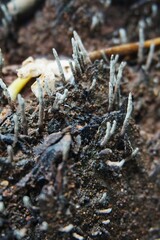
[123, 49]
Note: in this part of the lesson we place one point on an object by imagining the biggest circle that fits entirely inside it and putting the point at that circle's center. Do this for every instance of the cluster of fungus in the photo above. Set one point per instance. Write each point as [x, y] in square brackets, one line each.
[79, 123]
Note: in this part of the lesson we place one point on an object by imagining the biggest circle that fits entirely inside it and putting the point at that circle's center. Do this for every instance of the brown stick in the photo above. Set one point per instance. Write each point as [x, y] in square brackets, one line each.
[123, 49]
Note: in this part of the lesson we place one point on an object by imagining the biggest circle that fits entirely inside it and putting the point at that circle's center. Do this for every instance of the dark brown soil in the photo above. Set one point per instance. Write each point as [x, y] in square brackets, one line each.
[80, 196]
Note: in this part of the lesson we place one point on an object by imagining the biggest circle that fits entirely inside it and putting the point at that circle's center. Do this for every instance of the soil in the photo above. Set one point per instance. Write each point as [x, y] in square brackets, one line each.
[62, 182]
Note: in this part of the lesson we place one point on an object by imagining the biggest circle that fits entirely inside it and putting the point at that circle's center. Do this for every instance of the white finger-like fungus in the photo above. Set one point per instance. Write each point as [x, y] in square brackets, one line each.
[128, 114]
[41, 107]
[59, 65]
[5, 90]
[150, 57]
[123, 35]
[16, 129]
[19, 7]
[10, 153]
[119, 165]
[141, 42]
[23, 115]
[109, 132]
[60, 99]
[112, 80]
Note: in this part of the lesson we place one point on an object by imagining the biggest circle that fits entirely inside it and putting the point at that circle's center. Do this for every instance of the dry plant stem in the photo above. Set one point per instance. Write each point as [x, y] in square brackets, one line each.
[123, 49]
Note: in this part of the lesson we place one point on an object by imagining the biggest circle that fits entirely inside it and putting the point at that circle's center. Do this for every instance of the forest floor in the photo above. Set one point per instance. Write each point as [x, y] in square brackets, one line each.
[62, 183]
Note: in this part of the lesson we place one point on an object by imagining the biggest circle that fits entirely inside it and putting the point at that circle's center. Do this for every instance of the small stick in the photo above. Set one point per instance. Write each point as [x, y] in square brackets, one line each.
[123, 49]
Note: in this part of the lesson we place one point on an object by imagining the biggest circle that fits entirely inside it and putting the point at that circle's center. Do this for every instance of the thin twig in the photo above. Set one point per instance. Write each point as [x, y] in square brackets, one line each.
[123, 49]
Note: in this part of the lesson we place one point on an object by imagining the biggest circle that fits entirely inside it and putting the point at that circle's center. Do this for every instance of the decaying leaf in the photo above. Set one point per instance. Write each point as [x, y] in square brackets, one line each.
[49, 155]
[56, 145]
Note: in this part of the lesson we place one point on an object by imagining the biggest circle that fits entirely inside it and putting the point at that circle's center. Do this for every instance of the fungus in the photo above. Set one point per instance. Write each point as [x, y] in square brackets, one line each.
[41, 107]
[128, 114]
[60, 99]
[150, 57]
[5, 90]
[10, 153]
[46, 70]
[23, 115]
[109, 132]
[112, 80]
[123, 35]
[16, 129]
[141, 42]
[59, 65]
